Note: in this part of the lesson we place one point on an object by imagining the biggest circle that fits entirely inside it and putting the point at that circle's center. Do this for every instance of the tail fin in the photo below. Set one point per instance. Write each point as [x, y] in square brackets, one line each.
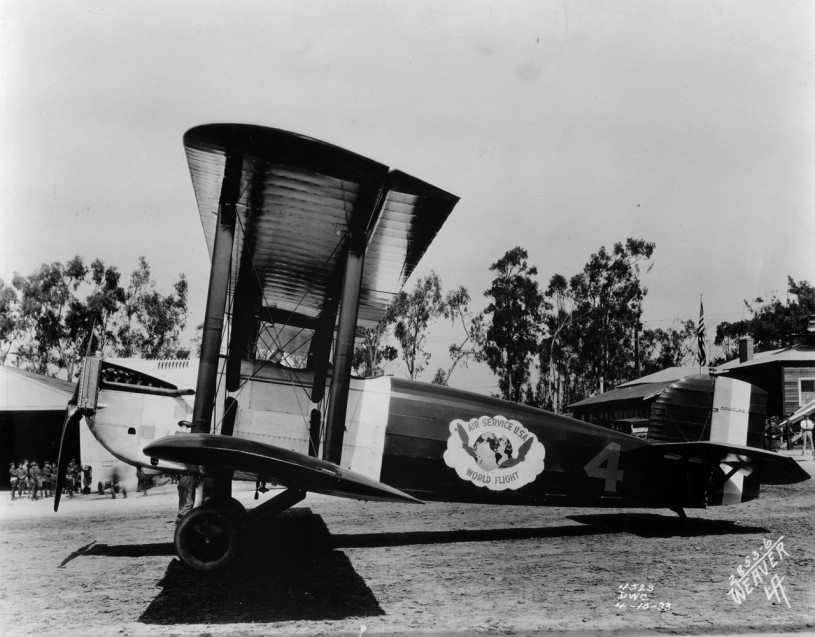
[701, 407]
[728, 425]
[731, 410]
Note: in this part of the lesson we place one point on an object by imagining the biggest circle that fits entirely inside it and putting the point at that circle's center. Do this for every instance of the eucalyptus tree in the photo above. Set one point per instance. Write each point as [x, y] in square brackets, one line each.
[10, 323]
[149, 322]
[512, 336]
[414, 311]
[457, 311]
[590, 322]
[46, 346]
[52, 317]
[772, 323]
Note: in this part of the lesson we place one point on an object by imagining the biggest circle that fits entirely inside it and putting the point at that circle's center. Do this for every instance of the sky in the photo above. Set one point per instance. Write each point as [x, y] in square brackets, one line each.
[563, 127]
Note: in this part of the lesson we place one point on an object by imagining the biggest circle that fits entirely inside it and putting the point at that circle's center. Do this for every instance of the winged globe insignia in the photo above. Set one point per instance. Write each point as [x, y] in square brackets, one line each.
[494, 452]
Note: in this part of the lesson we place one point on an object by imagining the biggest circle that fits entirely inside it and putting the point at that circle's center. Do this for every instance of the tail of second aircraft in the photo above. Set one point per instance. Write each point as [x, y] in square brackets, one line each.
[708, 433]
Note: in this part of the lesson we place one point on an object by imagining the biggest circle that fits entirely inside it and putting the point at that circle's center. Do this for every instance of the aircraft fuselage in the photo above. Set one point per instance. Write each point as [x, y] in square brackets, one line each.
[430, 441]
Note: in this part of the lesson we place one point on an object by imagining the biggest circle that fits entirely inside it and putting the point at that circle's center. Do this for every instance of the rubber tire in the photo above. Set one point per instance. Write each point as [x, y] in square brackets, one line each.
[206, 539]
[232, 508]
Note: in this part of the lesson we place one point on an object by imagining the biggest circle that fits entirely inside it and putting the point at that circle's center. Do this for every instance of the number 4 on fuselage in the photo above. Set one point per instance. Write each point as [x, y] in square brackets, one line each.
[309, 243]
[605, 465]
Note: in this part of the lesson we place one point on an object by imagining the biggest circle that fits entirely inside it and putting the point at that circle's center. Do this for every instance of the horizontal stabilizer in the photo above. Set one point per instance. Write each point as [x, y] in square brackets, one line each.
[258, 461]
[767, 467]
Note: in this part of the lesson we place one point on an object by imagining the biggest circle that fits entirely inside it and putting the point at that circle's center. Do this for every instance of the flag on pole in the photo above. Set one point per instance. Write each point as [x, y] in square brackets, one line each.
[701, 354]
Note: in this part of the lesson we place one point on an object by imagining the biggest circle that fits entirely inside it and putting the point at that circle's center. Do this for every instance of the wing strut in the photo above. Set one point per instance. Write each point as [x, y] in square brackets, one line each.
[344, 347]
[216, 296]
[244, 323]
[320, 349]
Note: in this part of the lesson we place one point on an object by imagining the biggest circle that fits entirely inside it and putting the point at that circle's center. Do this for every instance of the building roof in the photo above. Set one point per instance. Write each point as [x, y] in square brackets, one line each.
[669, 373]
[632, 392]
[643, 388]
[795, 354]
[25, 391]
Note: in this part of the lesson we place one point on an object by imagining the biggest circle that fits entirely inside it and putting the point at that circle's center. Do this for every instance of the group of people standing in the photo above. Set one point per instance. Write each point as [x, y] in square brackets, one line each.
[34, 480]
[777, 433]
[38, 480]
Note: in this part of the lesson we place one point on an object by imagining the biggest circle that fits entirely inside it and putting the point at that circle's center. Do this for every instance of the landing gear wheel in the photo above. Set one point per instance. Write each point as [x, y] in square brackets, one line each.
[232, 508]
[206, 539]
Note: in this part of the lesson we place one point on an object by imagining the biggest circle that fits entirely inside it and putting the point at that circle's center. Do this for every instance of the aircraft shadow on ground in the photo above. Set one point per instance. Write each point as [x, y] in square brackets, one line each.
[655, 525]
[641, 524]
[286, 570]
[289, 567]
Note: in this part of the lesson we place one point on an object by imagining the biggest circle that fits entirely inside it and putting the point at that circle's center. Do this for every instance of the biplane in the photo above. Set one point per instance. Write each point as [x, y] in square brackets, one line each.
[309, 243]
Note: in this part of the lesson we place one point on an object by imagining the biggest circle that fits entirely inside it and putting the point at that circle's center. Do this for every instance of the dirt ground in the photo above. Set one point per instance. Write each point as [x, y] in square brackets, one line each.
[332, 566]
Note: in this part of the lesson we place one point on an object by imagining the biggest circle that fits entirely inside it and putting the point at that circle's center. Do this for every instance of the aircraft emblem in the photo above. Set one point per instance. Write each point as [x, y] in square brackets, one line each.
[494, 452]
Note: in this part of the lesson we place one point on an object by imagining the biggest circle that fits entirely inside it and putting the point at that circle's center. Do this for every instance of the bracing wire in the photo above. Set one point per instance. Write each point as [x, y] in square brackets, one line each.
[274, 335]
[300, 301]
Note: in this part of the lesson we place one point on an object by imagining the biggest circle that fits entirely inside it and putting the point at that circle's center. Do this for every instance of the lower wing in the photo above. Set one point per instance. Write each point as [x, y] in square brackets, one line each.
[250, 460]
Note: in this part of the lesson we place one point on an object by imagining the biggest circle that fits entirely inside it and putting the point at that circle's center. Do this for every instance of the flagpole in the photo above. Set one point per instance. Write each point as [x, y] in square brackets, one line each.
[701, 353]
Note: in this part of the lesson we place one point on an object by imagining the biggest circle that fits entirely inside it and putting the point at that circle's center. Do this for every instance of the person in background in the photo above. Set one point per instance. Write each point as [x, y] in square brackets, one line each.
[772, 434]
[187, 483]
[140, 481]
[47, 480]
[77, 477]
[115, 483]
[70, 477]
[35, 479]
[806, 435]
[25, 483]
[22, 477]
[786, 432]
[87, 479]
[13, 479]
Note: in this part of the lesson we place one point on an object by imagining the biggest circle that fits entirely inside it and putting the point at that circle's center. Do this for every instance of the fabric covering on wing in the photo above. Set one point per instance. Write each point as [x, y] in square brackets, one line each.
[255, 460]
[300, 198]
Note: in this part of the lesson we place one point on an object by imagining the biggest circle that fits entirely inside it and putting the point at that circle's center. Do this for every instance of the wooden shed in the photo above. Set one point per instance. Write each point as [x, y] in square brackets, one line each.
[787, 375]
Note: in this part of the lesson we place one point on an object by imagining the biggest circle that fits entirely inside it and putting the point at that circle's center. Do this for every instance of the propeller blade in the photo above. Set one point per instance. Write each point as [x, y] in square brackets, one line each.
[69, 425]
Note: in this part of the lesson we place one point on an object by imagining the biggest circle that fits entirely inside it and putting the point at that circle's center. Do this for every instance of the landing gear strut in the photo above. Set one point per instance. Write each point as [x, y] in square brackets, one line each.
[206, 538]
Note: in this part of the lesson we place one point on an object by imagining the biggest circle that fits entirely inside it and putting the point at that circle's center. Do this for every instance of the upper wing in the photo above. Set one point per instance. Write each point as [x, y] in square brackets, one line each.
[258, 461]
[299, 198]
